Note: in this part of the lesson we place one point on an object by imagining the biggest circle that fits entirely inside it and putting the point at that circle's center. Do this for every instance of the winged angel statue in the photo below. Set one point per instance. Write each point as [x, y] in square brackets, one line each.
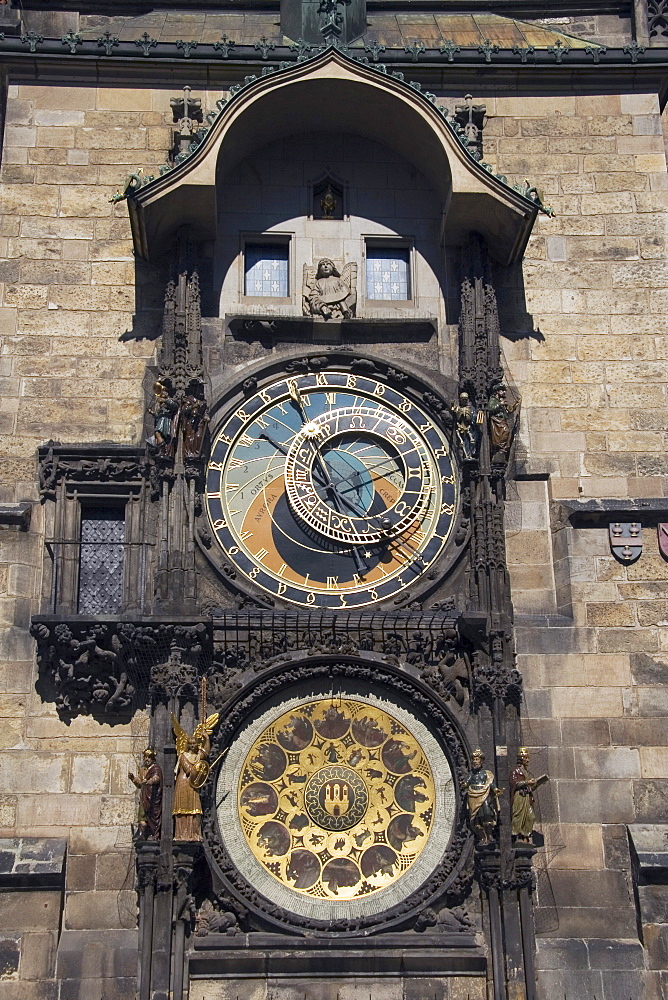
[192, 771]
[330, 292]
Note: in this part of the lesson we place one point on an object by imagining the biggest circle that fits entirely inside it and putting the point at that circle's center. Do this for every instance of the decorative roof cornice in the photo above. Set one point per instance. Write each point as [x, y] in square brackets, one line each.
[227, 53]
[475, 198]
[138, 180]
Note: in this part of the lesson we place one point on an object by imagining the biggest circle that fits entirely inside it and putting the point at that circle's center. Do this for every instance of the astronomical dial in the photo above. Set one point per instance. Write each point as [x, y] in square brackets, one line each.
[331, 490]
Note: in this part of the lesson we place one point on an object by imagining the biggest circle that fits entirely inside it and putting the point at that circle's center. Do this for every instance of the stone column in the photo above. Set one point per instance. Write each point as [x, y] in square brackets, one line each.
[147, 860]
[488, 876]
[186, 855]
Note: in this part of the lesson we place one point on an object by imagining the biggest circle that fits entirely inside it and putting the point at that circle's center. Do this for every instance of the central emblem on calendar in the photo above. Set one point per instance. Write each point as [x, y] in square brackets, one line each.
[336, 797]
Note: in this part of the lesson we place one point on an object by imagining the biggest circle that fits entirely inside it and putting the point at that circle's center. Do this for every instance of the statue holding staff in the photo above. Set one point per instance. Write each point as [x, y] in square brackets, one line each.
[149, 810]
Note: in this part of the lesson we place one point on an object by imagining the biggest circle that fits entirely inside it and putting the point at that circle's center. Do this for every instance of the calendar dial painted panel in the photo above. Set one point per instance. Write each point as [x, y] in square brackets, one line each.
[331, 490]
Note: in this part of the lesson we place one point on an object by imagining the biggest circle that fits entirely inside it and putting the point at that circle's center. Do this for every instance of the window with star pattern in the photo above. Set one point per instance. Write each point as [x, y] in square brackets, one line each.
[266, 270]
[387, 272]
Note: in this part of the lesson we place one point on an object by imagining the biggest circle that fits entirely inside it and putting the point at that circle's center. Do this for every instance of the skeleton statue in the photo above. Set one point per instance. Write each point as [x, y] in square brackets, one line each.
[467, 429]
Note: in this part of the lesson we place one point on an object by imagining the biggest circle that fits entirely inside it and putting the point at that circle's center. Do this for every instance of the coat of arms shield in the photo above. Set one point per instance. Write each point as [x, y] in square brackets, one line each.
[662, 531]
[625, 540]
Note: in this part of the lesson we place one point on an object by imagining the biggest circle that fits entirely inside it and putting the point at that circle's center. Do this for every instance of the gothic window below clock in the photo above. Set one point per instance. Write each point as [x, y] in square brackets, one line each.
[101, 560]
[266, 270]
[388, 272]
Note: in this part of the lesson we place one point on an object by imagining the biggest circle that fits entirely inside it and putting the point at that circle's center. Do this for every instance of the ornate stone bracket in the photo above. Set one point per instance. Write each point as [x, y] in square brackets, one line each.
[108, 669]
[95, 464]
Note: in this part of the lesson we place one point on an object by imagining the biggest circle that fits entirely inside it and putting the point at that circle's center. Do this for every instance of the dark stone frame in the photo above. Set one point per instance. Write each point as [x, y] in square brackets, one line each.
[434, 393]
[448, 884]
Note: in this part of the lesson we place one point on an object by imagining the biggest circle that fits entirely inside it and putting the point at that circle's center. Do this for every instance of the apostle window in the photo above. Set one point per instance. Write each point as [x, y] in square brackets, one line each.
[388, 272]
[266, 270]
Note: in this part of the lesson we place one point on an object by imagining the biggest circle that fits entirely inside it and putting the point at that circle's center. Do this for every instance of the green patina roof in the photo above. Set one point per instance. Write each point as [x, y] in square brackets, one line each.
[466, 30]
[392, 30]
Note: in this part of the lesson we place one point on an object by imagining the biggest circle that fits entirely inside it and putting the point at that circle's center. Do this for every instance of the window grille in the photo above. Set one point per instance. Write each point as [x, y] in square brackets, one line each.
[101, 562]
[387, 273]
[266, 269]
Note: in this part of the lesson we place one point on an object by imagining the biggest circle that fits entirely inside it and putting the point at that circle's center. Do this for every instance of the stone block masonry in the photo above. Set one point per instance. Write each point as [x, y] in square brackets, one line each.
[585, 347]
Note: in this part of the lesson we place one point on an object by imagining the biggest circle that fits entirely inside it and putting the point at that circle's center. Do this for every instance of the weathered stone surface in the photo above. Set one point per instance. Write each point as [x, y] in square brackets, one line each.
[93, 954]
[651, 800]
[607, 800]
[562, 953]
[38, 955]
[23, 911]
[607, 763]
[100, 909]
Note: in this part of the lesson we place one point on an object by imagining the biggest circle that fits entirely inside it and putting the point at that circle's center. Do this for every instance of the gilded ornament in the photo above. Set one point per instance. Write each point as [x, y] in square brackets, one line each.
[336, 799]
[522, 786]
[192, 772]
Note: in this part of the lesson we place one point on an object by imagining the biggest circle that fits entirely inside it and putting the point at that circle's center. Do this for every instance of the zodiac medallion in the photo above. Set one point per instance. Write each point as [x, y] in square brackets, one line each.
[336, 799]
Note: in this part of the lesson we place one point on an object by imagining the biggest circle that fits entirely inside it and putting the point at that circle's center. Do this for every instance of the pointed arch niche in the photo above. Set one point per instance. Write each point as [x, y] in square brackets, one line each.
[332, 91]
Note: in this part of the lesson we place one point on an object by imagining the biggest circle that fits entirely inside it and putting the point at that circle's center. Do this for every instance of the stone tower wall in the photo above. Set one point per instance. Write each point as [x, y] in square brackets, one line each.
[585, 345]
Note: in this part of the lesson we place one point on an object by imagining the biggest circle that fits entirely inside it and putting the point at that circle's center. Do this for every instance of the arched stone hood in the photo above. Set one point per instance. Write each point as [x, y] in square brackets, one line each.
[334, 92]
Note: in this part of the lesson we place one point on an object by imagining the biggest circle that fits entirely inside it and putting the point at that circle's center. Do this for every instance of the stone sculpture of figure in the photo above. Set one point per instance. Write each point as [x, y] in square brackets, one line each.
[482, 800]
[192, 771]
[330, 293]
[164, 411]
[500, 426]
[149, 809]
[467, 431]
[193, 421]
[522, 787]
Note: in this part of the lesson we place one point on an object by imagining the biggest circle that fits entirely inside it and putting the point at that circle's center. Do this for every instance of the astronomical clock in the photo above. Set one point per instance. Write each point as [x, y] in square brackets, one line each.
[331, 490]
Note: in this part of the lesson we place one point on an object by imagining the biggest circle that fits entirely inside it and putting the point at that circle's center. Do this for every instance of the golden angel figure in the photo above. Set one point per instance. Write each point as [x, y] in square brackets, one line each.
[192, 771]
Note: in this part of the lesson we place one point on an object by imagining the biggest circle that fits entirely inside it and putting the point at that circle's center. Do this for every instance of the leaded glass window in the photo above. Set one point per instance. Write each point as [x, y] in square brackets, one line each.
[387, 273]
[266, 268]
[101, 560]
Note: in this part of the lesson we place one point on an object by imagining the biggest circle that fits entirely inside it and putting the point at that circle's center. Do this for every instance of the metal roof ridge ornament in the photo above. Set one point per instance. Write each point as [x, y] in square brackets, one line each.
[138, 179]
[332, 18]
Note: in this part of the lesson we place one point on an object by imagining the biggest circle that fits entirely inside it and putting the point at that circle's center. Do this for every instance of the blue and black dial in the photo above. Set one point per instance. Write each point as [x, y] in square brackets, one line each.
[331, 490]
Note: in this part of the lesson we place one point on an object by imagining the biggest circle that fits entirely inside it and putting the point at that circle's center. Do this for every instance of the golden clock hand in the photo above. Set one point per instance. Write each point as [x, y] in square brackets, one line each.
[284, 451]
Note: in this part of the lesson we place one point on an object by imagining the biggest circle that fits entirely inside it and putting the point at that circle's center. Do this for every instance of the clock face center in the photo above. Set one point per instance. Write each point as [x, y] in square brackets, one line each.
[336, 797]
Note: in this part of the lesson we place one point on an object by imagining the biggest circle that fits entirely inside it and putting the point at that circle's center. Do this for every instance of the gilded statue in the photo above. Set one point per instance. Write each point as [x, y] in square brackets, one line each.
[522, 787]
[192, 771]
[149, 809]
[482, 800]
[165, 414]
[328, 292]
[501, 427]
